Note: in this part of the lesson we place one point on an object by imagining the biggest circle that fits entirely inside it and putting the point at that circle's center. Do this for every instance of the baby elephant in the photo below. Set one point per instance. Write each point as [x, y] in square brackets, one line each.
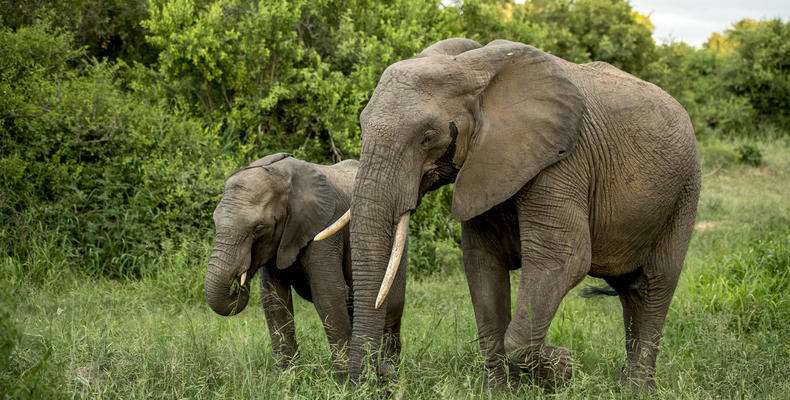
[265, 222]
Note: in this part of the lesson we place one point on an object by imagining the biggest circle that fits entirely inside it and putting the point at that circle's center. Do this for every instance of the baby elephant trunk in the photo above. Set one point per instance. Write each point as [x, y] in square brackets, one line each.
[226, 294]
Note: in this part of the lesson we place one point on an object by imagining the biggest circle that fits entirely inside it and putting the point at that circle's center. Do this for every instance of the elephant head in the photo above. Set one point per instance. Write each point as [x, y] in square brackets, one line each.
[488, 119]
[269, 211]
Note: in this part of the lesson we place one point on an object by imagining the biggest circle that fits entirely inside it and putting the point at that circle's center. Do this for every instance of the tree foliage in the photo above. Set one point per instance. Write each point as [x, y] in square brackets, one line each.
[758, 66]
[119, 123]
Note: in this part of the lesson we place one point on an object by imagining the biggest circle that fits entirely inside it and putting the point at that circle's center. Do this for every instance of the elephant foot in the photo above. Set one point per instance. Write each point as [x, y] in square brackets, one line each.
[551, 367]
[340, 364]
[501, 379]
[638, 380]
[283, 361]
[283, 364]
[386, 372]
[341, 376]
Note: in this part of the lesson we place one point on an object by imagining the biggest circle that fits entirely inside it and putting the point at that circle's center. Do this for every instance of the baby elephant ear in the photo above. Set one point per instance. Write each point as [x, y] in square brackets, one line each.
[270, 159]
[529, 116]
[450, 47]
[311, 205]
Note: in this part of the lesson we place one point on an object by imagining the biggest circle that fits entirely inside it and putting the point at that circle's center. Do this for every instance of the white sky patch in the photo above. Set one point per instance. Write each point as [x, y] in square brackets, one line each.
[689, 29]
[693, 21]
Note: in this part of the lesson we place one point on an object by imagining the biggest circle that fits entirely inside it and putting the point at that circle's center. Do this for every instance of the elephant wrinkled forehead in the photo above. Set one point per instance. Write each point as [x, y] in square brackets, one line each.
[422, 75]
[251, 185]
[407, 89]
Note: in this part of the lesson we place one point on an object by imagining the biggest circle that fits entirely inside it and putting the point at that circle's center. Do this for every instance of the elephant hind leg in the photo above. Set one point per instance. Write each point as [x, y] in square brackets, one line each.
[646, 294]
[645, 303]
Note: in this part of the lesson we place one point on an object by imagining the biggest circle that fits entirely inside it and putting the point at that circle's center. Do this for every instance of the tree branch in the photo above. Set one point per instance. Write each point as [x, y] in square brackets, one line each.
[16, 114]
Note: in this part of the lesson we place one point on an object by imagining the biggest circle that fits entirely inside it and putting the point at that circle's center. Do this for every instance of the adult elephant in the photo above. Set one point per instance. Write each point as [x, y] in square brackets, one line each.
[265, 222]
[562, 170]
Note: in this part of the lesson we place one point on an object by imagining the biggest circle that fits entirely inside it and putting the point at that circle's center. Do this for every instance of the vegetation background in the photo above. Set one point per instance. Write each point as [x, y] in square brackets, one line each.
[119, 121]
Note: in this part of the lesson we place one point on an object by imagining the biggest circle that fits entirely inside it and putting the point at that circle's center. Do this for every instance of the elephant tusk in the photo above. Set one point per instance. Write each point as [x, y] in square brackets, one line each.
[336, 226]
[243, 278]
[401, 231]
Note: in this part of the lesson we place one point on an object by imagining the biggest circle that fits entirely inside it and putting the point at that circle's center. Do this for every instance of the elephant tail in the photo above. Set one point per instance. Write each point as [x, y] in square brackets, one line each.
[590, 291]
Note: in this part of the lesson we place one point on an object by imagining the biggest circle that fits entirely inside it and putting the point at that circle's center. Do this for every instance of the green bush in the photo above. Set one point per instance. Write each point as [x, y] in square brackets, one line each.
[718, 155]
[749, 154]
[105, 28]
[95, 178]
[434, 236]
[595, 30]
[119, 123]
[758, 66]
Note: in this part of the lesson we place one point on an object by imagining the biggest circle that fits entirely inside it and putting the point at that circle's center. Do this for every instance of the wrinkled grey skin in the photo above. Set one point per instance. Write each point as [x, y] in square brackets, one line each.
[265, 222]
[562, 170]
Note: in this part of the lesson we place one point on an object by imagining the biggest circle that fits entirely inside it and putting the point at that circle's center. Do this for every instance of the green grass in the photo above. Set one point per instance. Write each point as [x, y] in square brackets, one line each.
[726, 335]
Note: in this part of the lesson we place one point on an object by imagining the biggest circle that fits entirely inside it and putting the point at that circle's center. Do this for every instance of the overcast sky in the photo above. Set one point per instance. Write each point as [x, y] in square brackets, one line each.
[693, 21]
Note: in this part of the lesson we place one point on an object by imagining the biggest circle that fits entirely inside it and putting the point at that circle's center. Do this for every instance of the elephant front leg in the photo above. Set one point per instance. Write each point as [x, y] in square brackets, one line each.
[278, 308]
[330, 295]
[489, 286]
[555, 253]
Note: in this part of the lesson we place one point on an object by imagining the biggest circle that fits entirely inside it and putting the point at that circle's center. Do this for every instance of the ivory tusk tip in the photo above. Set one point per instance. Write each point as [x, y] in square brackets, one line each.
[380, 301]
[398, 244]
[322, 235]
[335, 227]
[243, 278]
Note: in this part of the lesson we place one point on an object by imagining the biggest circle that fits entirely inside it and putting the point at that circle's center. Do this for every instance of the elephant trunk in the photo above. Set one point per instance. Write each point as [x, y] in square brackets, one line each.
[225, 294]
[378, 201]
[371, 235]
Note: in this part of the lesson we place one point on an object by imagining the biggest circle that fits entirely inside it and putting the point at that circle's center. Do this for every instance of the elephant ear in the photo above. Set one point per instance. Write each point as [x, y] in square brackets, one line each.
[270, 159]
[311, 205]
[529, 116]
[450, 47]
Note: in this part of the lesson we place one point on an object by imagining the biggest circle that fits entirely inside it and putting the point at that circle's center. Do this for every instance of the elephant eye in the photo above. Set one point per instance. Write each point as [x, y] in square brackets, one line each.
[429, 137]
[259, 229]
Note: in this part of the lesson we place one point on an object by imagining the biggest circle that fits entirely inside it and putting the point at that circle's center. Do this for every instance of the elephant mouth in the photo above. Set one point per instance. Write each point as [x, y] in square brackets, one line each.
[240, 285]
[242, 282]
[239, 292]
[243, 278]
[237, 286]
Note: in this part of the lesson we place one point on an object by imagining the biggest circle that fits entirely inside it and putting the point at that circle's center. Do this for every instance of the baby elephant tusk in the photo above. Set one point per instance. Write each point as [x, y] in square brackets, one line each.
[336, 226]
[401, 231]
[243, 278]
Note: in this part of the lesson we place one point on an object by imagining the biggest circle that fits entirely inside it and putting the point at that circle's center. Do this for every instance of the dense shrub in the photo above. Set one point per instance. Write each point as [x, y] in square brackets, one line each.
[737, 85]
[434, 235]
[94, 177]
[119, 122]
[106, 28]
[601, 30]
[759, 66]
[749, 154]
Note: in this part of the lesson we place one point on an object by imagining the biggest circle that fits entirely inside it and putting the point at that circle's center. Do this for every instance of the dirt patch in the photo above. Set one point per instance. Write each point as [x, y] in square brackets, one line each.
[707, 225]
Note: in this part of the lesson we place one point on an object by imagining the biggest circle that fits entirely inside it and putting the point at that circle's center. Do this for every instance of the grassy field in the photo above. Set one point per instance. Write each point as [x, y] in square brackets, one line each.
[727, 333]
